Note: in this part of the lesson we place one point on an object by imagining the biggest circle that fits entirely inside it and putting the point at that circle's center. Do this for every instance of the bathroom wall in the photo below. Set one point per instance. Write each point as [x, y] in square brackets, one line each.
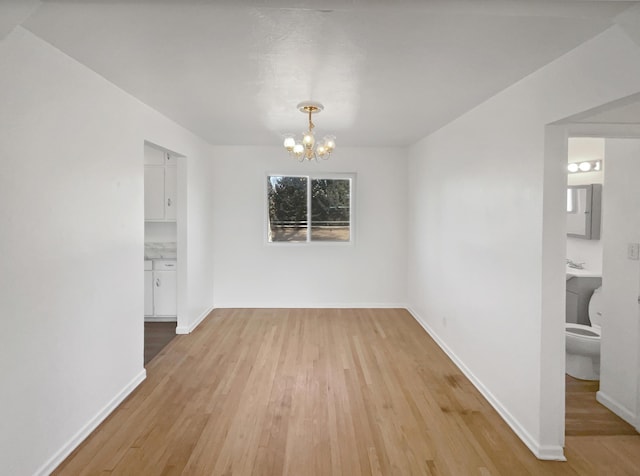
[621, 283]
[588, 252]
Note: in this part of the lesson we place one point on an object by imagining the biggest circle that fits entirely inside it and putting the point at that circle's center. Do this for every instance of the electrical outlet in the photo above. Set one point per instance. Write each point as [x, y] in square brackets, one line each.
[633, 251]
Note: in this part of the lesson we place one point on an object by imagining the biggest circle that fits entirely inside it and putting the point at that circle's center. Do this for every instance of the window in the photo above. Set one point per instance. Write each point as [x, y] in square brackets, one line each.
[309, 208]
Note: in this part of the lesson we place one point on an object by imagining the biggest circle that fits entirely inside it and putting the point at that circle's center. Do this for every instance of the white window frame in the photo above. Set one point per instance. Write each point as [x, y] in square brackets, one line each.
[312, 176]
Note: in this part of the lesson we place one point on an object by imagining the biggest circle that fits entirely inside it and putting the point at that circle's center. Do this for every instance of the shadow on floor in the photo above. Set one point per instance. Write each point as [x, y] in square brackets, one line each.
[156, 336]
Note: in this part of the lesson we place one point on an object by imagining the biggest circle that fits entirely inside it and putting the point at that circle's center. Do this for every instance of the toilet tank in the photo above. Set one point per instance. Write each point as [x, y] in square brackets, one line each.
[595, 308]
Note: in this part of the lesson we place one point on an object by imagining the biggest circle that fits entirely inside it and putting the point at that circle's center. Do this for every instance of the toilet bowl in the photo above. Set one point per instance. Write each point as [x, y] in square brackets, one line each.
[583, 343]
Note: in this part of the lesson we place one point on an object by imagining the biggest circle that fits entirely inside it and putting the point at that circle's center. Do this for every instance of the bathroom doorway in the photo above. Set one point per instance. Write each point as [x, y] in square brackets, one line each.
[584, 415]
[619, 124]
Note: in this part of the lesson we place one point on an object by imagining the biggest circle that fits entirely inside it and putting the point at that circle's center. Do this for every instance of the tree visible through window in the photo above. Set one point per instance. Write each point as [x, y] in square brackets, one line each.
[309, 209]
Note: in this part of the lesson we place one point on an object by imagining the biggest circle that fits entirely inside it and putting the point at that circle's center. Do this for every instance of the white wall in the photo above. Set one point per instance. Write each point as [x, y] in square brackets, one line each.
[71, 287]
[580, 149]
[487, 222]
[160, 232]
[621, 281]
[588, 252]
[252, 273]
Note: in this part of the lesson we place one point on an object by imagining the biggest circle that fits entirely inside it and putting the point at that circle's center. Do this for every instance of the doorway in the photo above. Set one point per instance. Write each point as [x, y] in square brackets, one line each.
[587, 232]
[614, 122]
[162, 262]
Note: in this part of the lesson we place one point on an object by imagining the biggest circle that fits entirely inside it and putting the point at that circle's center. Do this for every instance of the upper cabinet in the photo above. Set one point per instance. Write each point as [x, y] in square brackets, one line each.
[584, 209]
[155, 156]
[160, 185]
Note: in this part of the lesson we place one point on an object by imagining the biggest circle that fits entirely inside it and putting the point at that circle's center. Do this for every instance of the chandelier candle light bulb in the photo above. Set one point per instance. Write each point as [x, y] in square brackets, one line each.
[289, 143]
[305, 148]
[308, 140]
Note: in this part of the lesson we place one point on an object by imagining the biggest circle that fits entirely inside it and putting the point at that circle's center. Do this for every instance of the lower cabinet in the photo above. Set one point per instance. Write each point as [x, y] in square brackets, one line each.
[579, 291]
[160, 284]
[164, 294]
[148, 292]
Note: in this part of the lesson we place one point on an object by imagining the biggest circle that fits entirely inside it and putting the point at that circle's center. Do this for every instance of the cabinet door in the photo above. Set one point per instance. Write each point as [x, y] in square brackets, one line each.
[571, 308]
[170, 159]
[154, 193]
[153, 156]
[148, 293]
[164, 293]
[170, 192]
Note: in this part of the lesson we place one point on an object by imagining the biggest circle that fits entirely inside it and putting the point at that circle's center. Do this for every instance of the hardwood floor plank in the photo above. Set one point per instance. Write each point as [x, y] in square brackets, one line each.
[319, 392]
[585, 416]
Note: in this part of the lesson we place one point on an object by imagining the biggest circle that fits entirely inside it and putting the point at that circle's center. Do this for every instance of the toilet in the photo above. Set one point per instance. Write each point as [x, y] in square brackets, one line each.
[583, 343]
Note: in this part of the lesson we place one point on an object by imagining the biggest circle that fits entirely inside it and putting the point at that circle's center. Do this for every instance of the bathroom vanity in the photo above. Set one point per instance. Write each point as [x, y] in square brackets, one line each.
[579, 291]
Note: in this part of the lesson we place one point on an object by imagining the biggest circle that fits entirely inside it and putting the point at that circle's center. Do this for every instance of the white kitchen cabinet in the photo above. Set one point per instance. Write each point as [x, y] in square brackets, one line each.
[154, 193]
[164, 293]
[161, 286]
[154, 156]
[170, 192]
[169, 159]
[160, 190]
[148, 293]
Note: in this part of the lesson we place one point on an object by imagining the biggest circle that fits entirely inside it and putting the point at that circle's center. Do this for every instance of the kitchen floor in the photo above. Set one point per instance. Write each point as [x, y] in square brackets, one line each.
[156, 336]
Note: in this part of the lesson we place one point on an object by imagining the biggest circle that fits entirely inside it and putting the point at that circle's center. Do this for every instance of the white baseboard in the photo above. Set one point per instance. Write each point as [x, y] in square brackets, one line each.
[53, 462]
[160, 319]
[544, 452]
[288, 305]
[620, 410]
[189, 329]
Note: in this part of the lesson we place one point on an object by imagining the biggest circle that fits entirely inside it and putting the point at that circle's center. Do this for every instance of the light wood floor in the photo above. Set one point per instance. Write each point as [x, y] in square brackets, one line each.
[585, 416]
[319, 392]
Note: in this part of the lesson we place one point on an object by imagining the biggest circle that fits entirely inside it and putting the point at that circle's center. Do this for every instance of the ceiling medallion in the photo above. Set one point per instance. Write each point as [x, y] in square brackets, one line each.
[305, 149]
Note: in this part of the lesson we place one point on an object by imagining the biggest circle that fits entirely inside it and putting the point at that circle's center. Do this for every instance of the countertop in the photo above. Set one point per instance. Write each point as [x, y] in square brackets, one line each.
[582, 273]
[160, 251]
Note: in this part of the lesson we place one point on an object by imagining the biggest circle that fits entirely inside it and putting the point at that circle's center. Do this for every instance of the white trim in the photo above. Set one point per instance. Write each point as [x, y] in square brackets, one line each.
[289, 305]
[160, 319]
[620, 410]
[190, 329]
[90, 426]
[544, 452]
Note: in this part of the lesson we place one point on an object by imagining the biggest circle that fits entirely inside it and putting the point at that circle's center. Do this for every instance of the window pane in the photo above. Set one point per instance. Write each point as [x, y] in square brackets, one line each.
[287, 208]
[330, 209]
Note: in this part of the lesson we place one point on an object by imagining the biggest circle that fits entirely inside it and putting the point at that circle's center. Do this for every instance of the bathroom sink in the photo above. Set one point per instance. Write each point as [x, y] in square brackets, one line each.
[582, 273]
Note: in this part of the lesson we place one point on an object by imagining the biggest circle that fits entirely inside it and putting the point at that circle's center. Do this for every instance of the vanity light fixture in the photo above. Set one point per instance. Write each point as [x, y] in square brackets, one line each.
[305, 148]
[585, 166]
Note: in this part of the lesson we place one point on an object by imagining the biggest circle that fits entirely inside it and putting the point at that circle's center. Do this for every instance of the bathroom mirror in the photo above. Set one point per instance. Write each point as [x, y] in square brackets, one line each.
[584, 211]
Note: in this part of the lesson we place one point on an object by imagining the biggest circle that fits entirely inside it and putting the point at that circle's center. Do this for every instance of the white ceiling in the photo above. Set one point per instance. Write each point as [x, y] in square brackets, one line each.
[387, 72]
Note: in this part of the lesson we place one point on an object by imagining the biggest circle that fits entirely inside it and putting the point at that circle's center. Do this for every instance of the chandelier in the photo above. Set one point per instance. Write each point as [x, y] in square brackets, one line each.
[305, 148]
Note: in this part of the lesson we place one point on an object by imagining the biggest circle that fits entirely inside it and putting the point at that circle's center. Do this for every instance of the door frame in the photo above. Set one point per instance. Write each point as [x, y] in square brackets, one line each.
[553, 254]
